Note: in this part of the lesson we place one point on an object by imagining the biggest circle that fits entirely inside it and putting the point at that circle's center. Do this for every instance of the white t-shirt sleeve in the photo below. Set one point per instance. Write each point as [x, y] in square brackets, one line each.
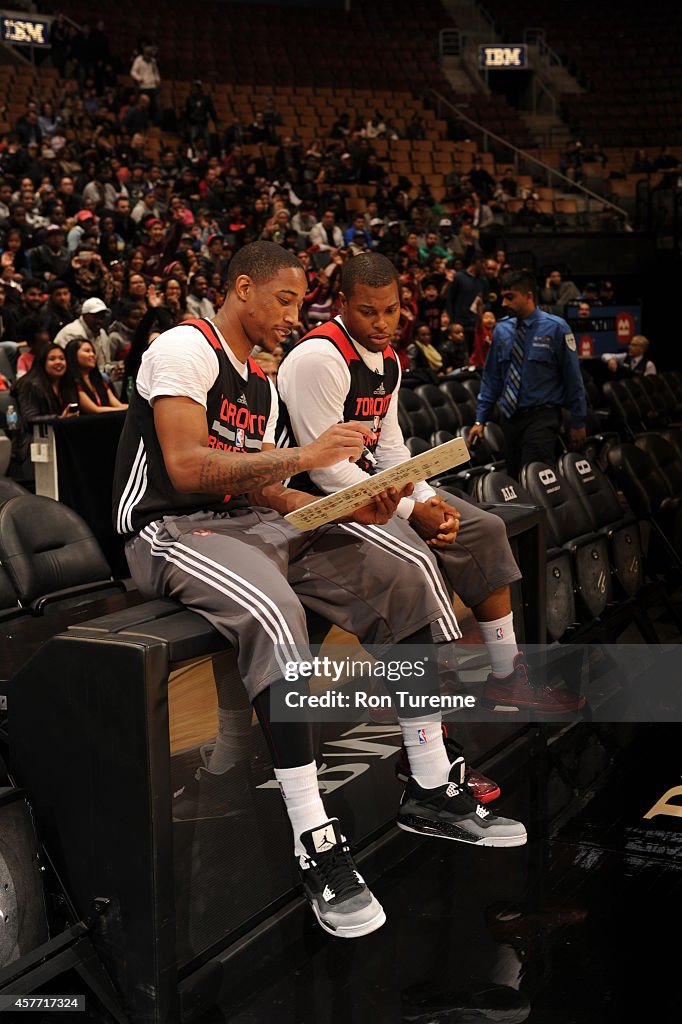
[313, 381]
[179, 363]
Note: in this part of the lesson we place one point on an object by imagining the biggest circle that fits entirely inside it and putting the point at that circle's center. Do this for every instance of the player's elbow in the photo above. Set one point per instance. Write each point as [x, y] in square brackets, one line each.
[182, 473]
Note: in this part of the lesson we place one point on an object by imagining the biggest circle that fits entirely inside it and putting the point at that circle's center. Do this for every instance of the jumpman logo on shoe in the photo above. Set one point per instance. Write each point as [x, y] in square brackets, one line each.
[324, 842]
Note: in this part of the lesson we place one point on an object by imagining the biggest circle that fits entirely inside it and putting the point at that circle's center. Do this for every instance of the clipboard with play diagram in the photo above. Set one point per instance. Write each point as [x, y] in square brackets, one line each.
[341, 503]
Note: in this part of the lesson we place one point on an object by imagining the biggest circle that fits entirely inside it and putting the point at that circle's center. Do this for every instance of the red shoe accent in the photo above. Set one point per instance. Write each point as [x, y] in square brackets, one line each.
[483, 789]
[516, 692]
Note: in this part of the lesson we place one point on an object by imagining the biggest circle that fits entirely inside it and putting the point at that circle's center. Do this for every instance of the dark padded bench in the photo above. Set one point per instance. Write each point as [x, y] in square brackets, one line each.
[188, 636]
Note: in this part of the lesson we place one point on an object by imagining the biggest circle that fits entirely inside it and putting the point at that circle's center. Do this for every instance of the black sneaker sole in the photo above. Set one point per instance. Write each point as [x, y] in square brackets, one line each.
[450, 830]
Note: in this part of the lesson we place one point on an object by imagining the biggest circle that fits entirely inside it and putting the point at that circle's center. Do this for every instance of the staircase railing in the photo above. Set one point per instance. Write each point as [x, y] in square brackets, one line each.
[522, 155]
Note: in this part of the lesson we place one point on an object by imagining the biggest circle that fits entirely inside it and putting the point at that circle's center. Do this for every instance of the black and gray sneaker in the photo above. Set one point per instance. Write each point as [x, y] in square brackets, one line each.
[451, 812]
[336, 891]
[208, 795]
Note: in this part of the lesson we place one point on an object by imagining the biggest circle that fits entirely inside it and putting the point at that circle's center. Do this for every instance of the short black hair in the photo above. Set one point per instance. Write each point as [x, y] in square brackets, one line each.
[29, 327]
[55, 285]
[261, 261]
[521, 281]
[370, 268]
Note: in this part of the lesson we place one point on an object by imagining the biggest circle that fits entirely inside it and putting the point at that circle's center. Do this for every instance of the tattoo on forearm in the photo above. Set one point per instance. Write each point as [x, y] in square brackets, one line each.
[222, 474]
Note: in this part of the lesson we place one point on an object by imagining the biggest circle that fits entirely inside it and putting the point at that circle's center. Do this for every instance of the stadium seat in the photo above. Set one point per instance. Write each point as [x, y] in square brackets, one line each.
[649, 495]
[608, 517]
[417, 446]
[10, 489]
[446, 414]
[49, 553]
[5, 453]
[497, 487]
[460, 399]
[493, 435]
[666, 459]
[422, 419]
[570, 528]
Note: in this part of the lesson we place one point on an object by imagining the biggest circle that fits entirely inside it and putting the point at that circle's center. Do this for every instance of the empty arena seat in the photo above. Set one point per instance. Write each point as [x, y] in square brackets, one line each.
[493, 435]
[497, 487]
[446, 414]
[651, 407]
[422, 419]
[472, 384]
[10, 489]
[417, 445]
[570, 527]
[49, 553]
[460, 399]
[635, 473]
[666, 459]
[607, 516]
[625, 413]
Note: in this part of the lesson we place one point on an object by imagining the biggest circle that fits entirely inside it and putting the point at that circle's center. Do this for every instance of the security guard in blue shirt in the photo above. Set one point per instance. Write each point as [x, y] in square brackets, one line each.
[531, 372]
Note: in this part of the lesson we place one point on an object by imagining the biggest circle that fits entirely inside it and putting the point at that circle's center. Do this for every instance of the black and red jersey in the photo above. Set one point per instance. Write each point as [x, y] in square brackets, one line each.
[237, 413]
[368, 398]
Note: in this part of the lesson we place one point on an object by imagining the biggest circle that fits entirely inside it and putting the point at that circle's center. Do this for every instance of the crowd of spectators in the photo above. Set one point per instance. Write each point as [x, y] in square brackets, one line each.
[104, 240]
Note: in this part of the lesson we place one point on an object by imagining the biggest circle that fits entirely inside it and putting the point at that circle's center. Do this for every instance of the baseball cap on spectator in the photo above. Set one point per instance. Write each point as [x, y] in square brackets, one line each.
[212, 238]
[376, 221]
[148, 191]
[94, 305]
[52, 228]
[83, 215]
[394, 223]
[445, 222]
[152, 221]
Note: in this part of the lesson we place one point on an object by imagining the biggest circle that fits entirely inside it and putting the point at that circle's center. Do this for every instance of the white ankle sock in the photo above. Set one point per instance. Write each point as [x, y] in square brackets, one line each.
[233, 742]
[423, 739]
[498, 636]
[301, 796]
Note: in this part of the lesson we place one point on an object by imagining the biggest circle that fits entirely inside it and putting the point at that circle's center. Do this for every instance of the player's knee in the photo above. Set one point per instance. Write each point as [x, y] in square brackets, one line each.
[494, 532]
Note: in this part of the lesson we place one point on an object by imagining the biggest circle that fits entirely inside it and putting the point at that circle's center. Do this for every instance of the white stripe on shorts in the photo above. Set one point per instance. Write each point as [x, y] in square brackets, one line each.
[236, 587]
[375, 535]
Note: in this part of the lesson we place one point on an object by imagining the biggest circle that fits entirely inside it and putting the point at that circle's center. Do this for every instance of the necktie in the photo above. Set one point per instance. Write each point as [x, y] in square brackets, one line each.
[512, 386]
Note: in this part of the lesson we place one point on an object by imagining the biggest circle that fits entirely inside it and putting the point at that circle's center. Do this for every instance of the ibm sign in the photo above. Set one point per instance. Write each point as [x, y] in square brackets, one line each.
[505, 58]
[19, 28]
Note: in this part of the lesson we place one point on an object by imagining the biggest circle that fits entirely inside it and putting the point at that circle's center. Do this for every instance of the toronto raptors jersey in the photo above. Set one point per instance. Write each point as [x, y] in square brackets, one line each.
[367, 401]
[237, 412]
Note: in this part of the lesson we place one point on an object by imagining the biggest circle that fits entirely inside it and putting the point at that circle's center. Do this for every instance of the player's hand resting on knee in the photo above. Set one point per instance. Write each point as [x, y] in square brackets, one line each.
[435, 521]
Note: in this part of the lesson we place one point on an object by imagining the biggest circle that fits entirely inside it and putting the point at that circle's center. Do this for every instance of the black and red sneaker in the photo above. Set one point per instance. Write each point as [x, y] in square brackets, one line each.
[517, 692]
[484, 790]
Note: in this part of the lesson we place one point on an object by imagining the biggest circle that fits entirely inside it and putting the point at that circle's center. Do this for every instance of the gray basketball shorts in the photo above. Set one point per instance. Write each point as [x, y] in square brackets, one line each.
[250, 575]
[481, 560]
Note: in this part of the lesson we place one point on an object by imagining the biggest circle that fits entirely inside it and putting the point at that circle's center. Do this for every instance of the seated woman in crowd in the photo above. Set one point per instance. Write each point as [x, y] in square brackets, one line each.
[135, 288]
[46, 390]
[174, 294]
[94, 394]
